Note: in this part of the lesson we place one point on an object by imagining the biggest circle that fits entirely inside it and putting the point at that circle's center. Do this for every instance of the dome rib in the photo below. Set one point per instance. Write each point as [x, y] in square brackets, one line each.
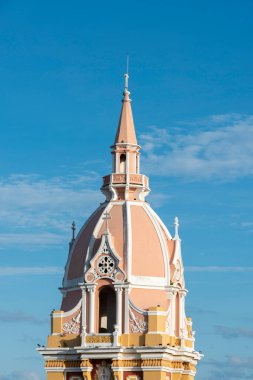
[153, 217]
[72, 250]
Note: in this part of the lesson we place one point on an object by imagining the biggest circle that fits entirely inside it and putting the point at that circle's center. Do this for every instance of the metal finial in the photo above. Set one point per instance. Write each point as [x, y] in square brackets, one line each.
[106, 217]
[73, 227]
[176, 224]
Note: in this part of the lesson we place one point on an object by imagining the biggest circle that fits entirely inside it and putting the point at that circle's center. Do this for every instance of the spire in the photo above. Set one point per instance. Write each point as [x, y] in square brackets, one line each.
[126, 132]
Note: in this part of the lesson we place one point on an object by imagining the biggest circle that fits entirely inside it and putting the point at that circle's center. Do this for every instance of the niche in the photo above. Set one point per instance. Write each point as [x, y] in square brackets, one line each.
[107, 310]
[122, 163]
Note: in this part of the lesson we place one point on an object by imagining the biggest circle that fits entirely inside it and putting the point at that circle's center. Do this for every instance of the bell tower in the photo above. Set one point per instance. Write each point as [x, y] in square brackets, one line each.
[122, 314]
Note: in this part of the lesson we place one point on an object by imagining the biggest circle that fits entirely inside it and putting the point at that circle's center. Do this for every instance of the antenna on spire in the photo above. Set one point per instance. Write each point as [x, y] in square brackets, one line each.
[126, 75]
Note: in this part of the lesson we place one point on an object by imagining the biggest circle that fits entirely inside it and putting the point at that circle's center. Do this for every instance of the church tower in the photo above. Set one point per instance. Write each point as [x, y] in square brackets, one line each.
[123, 315]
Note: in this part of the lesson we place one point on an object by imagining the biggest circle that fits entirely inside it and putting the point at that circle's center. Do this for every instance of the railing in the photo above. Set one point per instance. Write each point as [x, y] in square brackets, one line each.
[122, 178]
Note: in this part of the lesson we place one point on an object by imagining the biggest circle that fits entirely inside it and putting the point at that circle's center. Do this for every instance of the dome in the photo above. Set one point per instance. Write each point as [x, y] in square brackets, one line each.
[138, 237]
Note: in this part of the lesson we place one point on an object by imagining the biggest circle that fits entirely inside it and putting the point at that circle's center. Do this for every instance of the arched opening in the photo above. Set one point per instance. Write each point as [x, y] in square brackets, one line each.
[107, 310]
[122, 163]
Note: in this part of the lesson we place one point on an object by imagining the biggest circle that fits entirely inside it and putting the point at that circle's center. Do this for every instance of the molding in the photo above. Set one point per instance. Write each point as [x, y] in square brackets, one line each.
[148, 280]
[70, 312]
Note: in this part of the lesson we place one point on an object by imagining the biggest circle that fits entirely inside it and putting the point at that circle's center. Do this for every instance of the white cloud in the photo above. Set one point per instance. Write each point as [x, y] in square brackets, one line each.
[233, 332]
[42, 239]
[8, 316]
[221, 149]
[15, 271]
[230, 367]
[36, 210]
[218, 269]
[22, 375]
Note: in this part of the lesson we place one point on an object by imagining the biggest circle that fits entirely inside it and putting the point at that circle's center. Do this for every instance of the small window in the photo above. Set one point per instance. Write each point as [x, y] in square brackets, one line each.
[122, 164]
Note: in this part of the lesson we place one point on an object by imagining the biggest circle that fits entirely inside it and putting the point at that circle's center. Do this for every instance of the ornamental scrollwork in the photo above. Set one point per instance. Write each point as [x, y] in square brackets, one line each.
[99, 339]
[73, 325]
[137, 325]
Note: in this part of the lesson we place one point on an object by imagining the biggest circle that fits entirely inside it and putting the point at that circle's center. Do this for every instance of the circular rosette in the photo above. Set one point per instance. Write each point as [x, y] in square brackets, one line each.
[105, 265]
[89, 277]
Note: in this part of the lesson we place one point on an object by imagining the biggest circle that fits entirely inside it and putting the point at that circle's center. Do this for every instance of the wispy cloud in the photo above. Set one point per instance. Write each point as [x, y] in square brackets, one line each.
[219, 147]
[29, 271]
[22, 375]
[200, 310]
[218, 269]
[45, 206]
[30, 239]
[19, 317]
[231, 367]
[231, 333]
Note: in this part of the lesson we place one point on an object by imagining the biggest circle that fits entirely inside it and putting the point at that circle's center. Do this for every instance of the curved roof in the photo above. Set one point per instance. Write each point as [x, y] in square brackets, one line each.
[139, 238]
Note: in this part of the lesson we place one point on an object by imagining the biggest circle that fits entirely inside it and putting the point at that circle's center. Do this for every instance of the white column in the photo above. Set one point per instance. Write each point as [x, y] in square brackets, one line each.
[84, 319]
[182, 295]
[126, 314]
[127, 162]
[172, 315]
[91, 290]
[118, 290]
[116, 162]
[138, 164]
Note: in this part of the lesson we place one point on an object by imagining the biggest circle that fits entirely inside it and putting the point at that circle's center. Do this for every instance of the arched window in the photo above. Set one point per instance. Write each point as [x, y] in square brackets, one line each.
[107, 310]
[122, 163]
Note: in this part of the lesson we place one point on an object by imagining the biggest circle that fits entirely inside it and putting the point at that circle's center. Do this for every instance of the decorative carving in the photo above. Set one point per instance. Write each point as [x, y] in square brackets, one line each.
[105, 265]
[126, 363]
[99, 339]
[137, 325]
[103, 371]
[55, 364]
[72, 364]
[90, 277]
[73, 326]
[119, 178]
[63, 364]
[177, 273]
[136, 178]
[86, 363]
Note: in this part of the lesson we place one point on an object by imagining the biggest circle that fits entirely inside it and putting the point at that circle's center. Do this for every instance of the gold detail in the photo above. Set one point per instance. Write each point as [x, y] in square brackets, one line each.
[63, 364]
[189, 366]
[55, 364]
[99, 339]
[151, 362]
[126, 363]
[177, 365]
[85, 363]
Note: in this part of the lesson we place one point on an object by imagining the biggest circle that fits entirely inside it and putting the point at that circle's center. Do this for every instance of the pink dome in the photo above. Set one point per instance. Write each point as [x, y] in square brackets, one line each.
[140, 239]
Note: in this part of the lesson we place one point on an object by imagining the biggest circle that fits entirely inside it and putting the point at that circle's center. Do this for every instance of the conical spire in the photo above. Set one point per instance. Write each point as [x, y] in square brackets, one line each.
[126, 132]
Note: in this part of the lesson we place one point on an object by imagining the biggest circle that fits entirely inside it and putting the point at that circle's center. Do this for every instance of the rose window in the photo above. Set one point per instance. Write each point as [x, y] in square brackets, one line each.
[106, 265]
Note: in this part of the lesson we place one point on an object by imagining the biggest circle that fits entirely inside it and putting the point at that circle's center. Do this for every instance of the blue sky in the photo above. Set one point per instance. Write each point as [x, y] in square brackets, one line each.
[61, 75]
